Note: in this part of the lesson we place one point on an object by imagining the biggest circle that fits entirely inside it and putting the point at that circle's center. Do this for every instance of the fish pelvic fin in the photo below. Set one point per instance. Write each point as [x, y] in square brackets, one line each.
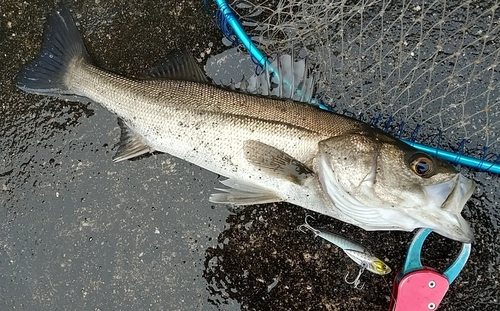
[62, 44]
[276, 162]
[243, 193]
[131, 144]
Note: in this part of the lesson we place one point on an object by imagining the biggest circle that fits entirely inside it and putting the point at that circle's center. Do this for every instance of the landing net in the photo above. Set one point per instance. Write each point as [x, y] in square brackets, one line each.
[427, 72]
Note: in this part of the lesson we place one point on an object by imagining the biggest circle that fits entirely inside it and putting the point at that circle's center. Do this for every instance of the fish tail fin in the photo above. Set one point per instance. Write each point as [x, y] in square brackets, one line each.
[62, 44]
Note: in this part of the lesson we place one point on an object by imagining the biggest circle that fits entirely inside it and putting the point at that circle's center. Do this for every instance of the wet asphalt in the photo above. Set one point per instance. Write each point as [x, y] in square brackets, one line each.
[79, 232]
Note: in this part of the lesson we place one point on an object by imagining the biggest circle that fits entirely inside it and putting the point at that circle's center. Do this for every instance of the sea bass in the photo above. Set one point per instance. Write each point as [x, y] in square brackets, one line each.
[270, 150]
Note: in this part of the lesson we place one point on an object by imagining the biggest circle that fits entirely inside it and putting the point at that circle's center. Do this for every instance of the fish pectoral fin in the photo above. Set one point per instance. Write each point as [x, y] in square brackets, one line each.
[243, 193]
[131, 145]
[276, 162]
[177, 66]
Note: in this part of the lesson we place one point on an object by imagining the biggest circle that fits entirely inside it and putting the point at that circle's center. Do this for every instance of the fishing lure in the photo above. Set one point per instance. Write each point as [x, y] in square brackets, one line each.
[355, 251]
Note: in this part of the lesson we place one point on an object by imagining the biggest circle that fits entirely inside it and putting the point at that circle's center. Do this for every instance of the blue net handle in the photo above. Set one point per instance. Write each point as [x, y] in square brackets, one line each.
[232, 20]
[479, 164]
[238, 30]
[259, 58]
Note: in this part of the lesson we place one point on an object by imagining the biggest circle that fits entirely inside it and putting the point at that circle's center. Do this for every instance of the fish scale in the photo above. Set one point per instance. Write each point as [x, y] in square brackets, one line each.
[204, 134]
[165, 119]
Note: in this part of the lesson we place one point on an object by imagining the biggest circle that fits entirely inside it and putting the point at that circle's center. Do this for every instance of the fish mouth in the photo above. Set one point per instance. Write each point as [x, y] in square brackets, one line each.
[451, 195]
[445, 202]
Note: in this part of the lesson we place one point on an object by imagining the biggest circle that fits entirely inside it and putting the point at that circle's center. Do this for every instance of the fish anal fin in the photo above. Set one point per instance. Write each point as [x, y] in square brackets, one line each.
[177, 66]
[243, 193]
[276, 162]
[131, 145]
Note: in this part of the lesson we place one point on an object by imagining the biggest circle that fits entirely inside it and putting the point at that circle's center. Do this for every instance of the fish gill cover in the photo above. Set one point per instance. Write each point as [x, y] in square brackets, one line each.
[399, 65]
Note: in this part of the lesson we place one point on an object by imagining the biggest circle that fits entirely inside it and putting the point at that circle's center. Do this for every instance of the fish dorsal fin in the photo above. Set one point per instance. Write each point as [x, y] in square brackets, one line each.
[178, 66]
[241, 192]
[131, 145]
[276, 162]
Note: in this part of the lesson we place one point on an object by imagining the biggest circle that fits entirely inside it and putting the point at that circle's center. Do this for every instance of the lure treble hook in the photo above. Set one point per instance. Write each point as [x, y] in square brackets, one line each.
[357, 281]
[306, 226]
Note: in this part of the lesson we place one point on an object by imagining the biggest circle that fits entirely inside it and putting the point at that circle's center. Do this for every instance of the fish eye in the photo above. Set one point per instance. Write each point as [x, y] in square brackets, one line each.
[422, 165]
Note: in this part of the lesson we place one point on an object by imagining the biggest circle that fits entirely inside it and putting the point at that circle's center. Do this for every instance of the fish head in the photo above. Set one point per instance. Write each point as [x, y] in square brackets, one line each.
[384, 184]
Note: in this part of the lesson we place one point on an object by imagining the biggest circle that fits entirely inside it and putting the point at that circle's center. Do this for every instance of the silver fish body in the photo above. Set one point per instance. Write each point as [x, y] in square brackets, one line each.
[269, 149]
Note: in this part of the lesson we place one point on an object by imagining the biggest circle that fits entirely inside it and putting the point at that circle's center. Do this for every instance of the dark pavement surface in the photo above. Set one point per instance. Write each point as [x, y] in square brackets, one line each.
[79, 232]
